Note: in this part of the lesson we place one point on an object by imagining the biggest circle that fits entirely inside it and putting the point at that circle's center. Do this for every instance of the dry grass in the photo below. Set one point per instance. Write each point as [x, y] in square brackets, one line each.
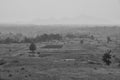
[72, 62]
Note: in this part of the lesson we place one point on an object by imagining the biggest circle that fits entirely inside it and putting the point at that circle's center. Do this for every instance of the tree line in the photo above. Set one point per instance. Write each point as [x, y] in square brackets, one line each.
[20, 38]
[39, 38]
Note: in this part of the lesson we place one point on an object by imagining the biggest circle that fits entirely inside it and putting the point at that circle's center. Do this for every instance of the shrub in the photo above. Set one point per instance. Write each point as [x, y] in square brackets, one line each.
[10, 75]
[81, 41]
[108, 39]
[32, 47]
[92, 37]
[107, 57]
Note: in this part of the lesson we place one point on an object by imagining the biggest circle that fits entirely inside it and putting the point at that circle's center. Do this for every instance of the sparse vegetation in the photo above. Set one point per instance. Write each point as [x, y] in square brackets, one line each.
[55, 60]
[53, 46]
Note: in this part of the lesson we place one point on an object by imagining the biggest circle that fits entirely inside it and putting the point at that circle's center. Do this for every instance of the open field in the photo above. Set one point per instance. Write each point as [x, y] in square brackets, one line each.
[68, 59]
[73, 61]
[59, 39]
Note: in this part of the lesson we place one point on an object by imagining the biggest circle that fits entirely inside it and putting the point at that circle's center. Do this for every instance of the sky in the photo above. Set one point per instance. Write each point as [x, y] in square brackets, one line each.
[60, 11]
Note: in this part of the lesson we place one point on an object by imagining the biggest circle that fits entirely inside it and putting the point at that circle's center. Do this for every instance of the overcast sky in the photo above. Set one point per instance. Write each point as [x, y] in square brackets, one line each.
[60, 11]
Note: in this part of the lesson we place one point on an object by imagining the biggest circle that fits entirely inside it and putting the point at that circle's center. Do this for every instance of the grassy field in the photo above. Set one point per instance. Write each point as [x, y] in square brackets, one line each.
[72, 61]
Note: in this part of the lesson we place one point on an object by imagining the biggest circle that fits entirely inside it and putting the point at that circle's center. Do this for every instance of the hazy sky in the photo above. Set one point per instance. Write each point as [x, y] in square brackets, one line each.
[60, 11]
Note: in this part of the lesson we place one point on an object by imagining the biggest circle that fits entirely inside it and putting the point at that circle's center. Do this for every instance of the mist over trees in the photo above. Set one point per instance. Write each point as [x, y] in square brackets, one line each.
[37, 34]
[20, 38]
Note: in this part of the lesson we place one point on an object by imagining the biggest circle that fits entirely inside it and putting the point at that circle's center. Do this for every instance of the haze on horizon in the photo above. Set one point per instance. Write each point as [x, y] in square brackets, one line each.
[60, 11]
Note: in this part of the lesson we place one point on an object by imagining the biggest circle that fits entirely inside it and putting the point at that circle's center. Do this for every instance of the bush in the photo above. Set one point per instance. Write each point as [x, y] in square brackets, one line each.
[108, 39]
[81, 41]
[10, 75]
[32, 47]
[107, 57]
